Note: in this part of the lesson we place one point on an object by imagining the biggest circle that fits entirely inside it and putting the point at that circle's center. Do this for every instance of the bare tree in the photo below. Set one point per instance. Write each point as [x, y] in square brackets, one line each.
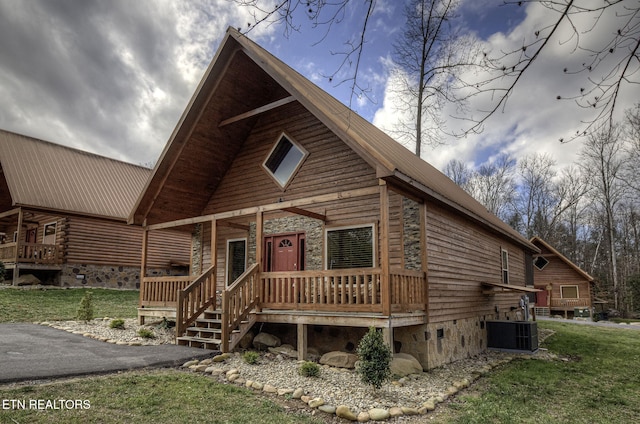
[494, 186]
[608, 66]
[459, 173]
[609, 63]
[430, 56]
[603, 162]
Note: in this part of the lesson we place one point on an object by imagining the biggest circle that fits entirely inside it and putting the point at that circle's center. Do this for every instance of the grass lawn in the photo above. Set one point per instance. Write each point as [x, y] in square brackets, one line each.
[162, 396]
[17, 305]
[599, 384]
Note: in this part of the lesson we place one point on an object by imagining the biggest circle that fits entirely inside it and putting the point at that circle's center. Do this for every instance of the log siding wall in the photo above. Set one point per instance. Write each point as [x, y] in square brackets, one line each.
[461, 257]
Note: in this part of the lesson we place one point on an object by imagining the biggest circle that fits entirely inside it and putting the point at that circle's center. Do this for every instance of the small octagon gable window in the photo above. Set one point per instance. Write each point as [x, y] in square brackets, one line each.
[284, 160]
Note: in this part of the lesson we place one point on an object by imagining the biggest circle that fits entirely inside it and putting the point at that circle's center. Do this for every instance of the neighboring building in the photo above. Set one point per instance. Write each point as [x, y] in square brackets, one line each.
[319, 224]
[564, 287]
[63, 216]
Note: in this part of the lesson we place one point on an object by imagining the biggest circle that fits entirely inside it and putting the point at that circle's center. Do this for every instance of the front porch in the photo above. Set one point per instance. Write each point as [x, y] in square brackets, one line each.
[349, 297]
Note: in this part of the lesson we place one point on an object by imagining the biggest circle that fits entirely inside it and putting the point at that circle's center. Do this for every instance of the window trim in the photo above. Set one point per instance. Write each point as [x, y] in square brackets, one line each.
[536, 260]
[504, 265]
[570, 285]
[374, 241]
[295, 170]
[228, 263]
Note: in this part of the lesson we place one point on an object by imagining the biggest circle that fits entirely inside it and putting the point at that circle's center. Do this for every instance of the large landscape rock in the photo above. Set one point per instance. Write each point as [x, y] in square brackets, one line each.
[404, 364]
[339, 359]
[264, 341]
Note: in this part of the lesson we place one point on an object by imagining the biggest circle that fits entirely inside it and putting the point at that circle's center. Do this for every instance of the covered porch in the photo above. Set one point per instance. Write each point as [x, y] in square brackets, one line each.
[382, 296]
[29, 241]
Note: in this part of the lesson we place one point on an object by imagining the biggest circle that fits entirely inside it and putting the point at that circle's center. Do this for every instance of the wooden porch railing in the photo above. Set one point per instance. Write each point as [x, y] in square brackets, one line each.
[37, 253]
[570, 303]
[162, 291]
[237, 302]
[407, 290]
[194, 299]
[346, 290]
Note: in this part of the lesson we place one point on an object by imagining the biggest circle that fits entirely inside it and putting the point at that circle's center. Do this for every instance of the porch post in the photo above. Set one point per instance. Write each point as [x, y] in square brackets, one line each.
[259, 233]
[16, 269]
[385, 289]
[143, 271]
[214, 243]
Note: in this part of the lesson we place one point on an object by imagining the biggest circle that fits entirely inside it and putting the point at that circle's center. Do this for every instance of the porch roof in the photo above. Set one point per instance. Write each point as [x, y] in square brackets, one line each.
[186, 176]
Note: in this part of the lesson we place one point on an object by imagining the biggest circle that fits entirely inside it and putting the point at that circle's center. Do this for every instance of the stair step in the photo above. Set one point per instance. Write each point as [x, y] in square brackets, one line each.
[201, 342]
[209, 321]
[205, 330]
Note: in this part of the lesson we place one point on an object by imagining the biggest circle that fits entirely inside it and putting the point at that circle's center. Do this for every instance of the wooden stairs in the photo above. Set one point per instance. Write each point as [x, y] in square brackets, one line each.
[206, 332]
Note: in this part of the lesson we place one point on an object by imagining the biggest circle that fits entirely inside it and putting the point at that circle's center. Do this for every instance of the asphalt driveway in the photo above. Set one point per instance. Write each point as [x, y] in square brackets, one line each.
[36, 352]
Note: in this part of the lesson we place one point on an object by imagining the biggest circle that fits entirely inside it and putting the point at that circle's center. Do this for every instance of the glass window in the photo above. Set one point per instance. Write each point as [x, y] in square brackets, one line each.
[569, 292]
[350, 248]
[284, 159]
[540, 262]
[505, 267]
[236, 259]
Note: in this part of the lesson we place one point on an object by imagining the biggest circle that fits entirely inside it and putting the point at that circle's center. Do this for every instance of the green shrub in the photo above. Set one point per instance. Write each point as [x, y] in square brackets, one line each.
[85, 310]
[375, 359]
[309, 369]
[251, 357]
[145, 333]
[117, 323]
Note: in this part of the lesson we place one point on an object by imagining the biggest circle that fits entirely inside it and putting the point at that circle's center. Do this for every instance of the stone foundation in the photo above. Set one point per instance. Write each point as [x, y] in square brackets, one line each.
[440, 343]
[113, 277]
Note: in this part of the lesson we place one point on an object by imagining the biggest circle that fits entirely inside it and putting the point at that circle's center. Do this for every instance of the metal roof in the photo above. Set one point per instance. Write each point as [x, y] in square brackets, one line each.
[390, 159]
[45, 175]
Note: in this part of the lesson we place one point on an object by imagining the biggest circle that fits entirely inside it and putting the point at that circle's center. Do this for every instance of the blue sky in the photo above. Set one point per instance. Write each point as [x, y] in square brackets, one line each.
[113, 77]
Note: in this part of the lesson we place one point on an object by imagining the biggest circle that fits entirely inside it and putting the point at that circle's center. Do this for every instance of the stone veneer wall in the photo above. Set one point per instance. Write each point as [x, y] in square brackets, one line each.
[105, 276]
[411, 234]
[440, 343]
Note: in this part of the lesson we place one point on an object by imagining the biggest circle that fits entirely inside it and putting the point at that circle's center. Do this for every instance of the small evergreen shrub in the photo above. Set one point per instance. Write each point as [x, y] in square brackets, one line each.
[309, 369]
[251, 357]
[145, 333]
[117, 324]
[375, 359]
[85, 310]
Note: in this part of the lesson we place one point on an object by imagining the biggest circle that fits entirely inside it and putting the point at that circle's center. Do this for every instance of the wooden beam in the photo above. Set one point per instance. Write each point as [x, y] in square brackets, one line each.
[367, 191]
[304, 212]
[9, 213]
[257, 111]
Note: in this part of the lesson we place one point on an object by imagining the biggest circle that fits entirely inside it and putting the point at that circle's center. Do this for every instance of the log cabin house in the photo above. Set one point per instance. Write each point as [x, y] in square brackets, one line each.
[564, 286]
[63, 217]
[310, 222]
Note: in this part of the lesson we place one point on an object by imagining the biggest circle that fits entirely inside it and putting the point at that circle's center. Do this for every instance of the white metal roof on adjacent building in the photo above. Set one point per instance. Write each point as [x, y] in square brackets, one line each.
[50, 176]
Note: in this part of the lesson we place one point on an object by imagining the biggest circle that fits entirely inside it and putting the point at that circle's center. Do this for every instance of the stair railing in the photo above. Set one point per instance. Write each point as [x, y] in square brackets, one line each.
[237, 301]
[194, 299]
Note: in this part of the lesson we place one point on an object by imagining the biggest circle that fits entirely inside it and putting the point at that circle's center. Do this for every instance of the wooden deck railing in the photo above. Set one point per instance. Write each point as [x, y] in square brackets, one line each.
[238, 300]
[36, 253]
[162, 291]
[569, 303]
[194, 299]
[347, 290]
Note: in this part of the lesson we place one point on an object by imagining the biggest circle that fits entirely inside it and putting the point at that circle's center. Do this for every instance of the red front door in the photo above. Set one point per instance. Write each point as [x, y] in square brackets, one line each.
[541, 298]
[284, 252]
[31, 235]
